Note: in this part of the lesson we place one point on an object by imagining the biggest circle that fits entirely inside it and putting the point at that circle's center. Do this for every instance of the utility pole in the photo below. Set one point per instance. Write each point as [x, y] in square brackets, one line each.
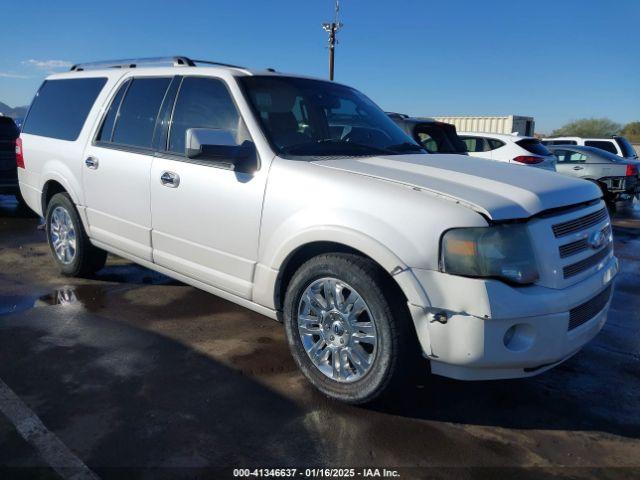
[332, 28]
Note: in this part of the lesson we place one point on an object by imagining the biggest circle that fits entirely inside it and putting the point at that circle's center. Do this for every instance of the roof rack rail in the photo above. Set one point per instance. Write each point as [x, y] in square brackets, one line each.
[176, 61]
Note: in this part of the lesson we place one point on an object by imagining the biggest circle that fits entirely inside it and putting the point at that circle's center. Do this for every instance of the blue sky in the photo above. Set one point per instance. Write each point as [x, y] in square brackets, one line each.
[556, 60]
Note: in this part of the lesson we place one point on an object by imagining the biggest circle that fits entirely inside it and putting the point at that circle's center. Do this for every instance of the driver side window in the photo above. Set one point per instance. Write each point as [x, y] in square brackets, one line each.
[203, 103]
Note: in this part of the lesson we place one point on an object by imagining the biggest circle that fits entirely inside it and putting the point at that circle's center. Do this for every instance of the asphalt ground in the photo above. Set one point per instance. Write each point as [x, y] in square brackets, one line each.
[130, 374]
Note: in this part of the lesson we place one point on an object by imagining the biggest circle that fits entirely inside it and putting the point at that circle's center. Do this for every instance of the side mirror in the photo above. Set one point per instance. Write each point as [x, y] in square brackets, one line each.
[216, 145]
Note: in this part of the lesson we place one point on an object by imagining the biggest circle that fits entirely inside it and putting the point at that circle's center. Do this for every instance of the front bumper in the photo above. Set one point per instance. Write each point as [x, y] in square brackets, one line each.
[471, 345]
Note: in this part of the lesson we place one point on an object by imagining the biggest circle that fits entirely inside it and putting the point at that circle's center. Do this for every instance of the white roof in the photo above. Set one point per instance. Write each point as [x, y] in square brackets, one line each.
[499, 136]
[220, 71]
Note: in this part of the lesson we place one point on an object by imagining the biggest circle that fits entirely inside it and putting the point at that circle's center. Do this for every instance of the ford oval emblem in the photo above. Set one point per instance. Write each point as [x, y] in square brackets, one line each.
[596, 240]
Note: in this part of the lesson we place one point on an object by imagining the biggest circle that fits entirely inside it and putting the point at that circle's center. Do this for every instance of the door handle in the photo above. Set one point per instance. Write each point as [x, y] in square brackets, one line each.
[170, 179]
[92, 163]
[578, 168]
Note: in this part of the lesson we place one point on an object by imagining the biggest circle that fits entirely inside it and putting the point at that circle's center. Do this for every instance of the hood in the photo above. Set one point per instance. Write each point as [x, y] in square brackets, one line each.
[498, 190]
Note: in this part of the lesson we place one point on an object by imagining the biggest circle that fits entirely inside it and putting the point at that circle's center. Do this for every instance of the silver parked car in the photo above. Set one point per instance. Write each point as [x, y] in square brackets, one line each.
[616, 176]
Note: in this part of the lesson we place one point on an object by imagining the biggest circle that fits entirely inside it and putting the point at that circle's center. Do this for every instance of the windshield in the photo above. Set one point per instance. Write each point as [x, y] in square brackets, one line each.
[303, 117]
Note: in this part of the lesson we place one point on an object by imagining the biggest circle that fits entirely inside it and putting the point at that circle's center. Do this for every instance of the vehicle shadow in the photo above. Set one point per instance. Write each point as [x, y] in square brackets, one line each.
[126, 398]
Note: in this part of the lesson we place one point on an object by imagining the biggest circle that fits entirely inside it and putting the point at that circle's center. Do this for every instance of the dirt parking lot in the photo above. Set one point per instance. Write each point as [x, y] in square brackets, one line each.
[133, 374]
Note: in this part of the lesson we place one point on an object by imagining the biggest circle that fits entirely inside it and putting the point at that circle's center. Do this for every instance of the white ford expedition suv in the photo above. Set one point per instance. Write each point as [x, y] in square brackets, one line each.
[300, 199]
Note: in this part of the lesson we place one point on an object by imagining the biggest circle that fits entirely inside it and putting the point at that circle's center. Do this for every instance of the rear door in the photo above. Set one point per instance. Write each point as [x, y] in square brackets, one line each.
[206, 218]
[117, 167]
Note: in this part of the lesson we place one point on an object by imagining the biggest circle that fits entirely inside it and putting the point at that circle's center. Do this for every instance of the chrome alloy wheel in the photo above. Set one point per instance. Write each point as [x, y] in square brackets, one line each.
[337, 330]
[63, 235]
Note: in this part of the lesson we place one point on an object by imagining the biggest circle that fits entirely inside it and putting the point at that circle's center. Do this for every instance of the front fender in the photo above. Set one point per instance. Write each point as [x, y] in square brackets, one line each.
[275, 258]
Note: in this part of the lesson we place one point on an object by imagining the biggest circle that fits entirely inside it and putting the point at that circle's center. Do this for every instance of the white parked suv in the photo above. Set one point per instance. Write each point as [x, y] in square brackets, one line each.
[369, 250]
[617, 144]
[514, 149]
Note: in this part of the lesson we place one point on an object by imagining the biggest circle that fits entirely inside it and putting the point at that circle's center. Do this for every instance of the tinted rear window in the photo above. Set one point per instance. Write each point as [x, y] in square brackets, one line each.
[60, 107]
[534, 146]
[8, 129]
[605, 145]
[138, 111]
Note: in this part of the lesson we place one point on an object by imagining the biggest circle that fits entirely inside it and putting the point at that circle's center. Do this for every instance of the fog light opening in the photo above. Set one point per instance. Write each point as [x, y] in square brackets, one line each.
[519, 338]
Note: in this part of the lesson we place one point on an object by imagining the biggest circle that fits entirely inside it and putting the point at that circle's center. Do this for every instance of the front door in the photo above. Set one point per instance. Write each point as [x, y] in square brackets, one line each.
[117, 168]
[206, 218]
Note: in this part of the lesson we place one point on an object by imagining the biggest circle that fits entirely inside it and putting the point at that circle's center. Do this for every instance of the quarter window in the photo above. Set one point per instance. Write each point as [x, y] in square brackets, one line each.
[475, 144]
[494, 143]
[60, 107]
[136, 120]
[202, 103]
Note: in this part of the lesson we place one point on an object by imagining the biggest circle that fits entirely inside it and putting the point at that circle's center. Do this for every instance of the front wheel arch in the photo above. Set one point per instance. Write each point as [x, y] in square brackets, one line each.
[405, 285]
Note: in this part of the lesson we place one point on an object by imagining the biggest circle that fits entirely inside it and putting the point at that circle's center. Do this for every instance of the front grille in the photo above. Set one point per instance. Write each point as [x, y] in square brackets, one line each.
[578, 224]
[579, 267]
[585, 312]
[581, 245]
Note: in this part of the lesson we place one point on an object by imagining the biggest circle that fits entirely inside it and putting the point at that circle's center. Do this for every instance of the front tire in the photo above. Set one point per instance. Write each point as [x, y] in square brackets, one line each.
[72, 250]
[350, 339]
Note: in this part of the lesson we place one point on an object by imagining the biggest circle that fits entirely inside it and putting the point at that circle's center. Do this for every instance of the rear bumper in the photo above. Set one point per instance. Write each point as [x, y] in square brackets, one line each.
[474, 344]
[628, 185]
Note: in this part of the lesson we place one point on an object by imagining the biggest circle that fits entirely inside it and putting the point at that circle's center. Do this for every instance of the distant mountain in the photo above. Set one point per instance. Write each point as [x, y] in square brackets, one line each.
[17, 112]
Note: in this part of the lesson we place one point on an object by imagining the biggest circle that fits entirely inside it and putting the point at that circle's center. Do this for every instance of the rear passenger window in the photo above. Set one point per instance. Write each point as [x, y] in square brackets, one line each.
[202, 103]
[60, 107]
[602, 145]
[136, 119]
[565, 156]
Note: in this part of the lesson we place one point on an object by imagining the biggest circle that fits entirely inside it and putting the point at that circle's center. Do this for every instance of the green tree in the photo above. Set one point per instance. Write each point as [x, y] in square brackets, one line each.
[588, 127]
[632, 132]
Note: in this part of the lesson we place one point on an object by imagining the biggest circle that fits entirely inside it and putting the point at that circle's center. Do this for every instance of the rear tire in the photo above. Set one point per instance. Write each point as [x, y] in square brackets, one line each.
[379, 350]
[72, 250]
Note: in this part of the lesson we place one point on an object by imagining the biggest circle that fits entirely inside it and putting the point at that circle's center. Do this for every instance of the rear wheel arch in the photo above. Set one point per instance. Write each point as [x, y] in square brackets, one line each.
[49, 189]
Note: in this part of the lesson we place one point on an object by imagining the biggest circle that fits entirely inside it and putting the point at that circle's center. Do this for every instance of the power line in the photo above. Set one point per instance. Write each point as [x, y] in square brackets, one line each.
[332, 28]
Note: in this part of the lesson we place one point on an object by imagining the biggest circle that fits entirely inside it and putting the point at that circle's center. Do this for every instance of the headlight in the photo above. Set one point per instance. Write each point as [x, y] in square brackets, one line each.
[502, 251]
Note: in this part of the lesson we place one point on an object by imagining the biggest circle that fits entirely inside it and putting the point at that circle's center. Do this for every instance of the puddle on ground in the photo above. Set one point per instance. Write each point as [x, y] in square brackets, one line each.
[91, 297]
